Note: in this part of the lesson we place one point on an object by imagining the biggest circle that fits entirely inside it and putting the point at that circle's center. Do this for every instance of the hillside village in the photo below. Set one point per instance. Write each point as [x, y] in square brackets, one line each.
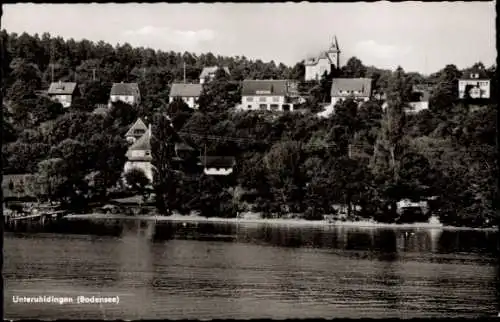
[224, 120]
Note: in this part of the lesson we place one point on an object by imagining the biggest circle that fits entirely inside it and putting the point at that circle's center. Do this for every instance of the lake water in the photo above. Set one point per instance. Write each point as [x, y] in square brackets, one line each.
[208, 271]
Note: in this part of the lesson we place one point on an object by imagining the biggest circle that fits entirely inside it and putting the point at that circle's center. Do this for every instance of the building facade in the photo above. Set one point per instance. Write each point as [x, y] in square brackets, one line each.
[270, 95]
[325, 62]
[358, 89]
[474, 86]
[419, 99]
[189, 93]
[125, 92]
[63, 92]
[139, 155]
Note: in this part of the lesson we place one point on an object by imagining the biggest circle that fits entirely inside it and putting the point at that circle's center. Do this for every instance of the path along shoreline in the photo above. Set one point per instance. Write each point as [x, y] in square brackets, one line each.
[289, 222]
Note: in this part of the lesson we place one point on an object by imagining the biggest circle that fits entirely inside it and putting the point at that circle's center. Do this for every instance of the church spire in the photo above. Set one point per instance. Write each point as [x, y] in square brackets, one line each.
[335, 45]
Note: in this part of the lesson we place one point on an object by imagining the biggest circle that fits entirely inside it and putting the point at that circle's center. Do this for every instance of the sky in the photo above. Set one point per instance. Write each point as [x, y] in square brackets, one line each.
[421, 37]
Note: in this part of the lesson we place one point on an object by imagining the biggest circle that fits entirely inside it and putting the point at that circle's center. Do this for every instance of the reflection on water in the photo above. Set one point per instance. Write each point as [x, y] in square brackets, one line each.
[175, 270]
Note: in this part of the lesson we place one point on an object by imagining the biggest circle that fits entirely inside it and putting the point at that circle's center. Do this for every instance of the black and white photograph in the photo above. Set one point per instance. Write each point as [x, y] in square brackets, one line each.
[249, 160]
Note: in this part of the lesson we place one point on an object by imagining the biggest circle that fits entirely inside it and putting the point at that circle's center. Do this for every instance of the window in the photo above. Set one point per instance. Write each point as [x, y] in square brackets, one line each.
[262, 99]
[274, 107]
[263, 106]
[249, 107]
[276, 99]
[249, 99]
[286, 107]
[148, 153]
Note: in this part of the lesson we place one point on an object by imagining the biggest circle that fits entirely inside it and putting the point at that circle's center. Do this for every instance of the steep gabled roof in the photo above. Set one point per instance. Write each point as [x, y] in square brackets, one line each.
[349, 85]
[125, 89]
[185, 90]
[143, 143]
[138, 125]
[61, 88]
[264, 87]
[211, 70]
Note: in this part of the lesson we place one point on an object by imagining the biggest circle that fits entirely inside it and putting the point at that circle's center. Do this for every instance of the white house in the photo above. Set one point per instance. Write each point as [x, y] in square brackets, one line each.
[271, 95]
[358, 89]
[419, 100]
[63, 92]
[324, 62]
[139, 155]
[125, 92]
[189, 93]
[208, 73]
[476, 85]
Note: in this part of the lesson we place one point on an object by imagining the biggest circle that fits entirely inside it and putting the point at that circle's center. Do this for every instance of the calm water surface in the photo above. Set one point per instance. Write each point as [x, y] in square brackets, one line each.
[177, 271]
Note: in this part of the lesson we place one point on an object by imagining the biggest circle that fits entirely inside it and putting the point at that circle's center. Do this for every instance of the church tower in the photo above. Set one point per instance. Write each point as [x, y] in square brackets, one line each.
[334, 52]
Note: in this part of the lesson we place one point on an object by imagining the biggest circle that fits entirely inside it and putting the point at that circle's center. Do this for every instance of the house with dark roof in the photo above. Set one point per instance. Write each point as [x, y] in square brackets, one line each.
[474, 85]
[189, 93]
[359, 89]
[136, 131]
[208, 73]
[63, 92]
[323, 63]
[125, 92]
[267, 95]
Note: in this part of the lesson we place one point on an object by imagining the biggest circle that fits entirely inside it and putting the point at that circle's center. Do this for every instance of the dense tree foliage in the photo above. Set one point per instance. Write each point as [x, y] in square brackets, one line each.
[363, 158]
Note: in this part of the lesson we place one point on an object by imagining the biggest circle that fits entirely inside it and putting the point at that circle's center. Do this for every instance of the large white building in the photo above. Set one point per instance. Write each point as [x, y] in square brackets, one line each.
[271, 95]
[325, 62]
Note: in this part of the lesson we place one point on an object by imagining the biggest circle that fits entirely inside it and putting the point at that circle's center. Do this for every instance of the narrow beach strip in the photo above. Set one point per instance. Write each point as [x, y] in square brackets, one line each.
[290, 222]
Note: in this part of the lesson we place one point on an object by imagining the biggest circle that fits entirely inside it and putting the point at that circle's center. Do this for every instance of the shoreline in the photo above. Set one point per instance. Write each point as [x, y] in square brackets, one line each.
[289, 222]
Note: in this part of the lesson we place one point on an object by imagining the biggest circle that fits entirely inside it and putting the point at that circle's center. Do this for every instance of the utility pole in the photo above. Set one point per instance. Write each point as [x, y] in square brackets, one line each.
[184, 72]
[93, 74]
[52, 71]
[144, 73]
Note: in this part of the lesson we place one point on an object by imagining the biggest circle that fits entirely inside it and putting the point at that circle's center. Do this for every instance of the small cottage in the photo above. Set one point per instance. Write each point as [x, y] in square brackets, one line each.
[125, 92]
[189, 93]
[419, 99]
[63, 92]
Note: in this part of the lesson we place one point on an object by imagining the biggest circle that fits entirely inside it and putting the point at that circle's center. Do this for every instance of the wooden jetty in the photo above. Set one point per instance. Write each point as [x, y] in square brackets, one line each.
[37, 217]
